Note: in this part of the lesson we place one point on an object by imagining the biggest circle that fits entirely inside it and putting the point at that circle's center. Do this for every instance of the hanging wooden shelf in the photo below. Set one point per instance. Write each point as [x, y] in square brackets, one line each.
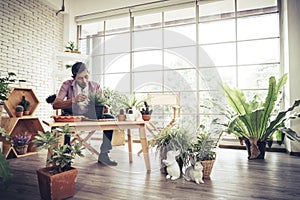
[15, 97]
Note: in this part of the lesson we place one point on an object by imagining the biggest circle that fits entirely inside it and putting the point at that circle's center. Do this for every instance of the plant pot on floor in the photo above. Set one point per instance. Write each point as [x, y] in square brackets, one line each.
[261, 147]
[57, 186]
[207, 167]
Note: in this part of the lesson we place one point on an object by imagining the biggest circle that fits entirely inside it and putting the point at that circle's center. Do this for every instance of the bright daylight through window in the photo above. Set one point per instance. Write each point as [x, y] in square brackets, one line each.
[187, 50]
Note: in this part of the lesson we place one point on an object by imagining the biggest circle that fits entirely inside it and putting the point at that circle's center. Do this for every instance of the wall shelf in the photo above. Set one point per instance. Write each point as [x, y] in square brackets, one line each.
[14, 125]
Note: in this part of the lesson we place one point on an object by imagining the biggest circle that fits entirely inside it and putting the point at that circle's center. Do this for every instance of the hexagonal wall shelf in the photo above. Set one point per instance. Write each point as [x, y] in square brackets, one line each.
[15, 97]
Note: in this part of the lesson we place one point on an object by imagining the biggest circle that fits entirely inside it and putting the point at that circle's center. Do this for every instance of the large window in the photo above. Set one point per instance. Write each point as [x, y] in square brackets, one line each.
[188, 50]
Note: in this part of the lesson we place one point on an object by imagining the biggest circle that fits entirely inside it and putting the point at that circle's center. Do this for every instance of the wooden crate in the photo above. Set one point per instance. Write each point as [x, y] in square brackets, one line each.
[15, 97]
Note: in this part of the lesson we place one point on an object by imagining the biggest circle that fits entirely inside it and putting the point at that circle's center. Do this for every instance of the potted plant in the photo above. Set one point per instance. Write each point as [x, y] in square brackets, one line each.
[71, 47]
[203, 149]
[25, 105]
[96, 106]
[172, 138]
[5, 173]
[131, 104]
[58, 180]
[5, 88]
[21, 142]
[146, 112]
[19, 111]
[112, 100]
[121, 115]
[253, 119]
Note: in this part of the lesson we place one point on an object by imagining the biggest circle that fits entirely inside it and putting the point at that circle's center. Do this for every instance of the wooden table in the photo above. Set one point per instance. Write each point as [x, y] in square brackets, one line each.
[92, 126]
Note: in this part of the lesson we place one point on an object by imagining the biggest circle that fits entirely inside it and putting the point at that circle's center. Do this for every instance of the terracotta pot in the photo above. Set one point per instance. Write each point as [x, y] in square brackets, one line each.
[58, 186]
[121, 117]
[27, 112]
[19, 114]
[146, 117]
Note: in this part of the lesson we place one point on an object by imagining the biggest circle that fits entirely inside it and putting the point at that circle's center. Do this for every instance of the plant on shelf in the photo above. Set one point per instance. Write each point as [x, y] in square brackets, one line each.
[25, 105]
[146, 111]
[5, 174]
[21, 142]
[19, 111]
[71, 47]
[172, 138]
[253, 119]
[60, 177]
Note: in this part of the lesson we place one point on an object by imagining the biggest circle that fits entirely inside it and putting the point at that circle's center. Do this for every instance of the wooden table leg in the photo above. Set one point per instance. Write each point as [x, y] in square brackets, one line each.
[84, 141]
[145, 148]
[129, 145]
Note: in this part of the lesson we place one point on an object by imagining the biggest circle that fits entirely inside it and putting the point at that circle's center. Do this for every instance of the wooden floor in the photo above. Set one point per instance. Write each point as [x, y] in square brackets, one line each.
[233, 177]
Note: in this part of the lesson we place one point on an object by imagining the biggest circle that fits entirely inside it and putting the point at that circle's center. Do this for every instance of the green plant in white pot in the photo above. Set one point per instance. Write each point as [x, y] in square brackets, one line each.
[253, 119]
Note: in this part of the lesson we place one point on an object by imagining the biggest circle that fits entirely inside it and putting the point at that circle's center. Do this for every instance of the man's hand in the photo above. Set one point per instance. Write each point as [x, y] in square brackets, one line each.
[81, 97]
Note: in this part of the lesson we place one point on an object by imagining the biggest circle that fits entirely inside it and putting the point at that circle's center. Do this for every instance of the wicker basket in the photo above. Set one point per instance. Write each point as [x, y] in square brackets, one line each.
[207, 167]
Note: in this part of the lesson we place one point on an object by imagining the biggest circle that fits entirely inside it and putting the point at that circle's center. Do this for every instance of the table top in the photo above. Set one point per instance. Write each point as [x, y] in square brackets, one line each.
[99, 123]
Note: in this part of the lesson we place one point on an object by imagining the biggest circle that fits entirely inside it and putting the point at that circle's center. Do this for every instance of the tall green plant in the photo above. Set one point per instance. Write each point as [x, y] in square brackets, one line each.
[253, 118]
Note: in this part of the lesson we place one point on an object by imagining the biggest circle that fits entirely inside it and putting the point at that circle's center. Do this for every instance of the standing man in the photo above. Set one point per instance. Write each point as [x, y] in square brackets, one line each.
[73, 99]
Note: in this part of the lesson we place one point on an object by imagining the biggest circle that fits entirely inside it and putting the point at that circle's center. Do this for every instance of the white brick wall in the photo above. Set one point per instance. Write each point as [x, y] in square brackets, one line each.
[30, 34]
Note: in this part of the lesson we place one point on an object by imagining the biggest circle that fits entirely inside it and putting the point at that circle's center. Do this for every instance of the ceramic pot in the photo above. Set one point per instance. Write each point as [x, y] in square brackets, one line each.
[146, 117]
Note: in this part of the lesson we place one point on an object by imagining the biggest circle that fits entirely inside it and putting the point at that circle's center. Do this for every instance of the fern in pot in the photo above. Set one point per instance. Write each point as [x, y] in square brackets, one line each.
[203, 148]
[172, 138]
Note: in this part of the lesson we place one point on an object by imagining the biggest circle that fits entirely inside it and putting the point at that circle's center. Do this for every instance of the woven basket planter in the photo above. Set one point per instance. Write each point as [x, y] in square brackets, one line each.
[207, 168]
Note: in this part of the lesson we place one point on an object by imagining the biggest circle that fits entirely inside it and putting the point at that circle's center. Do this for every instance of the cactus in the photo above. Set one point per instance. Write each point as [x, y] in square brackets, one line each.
[24, 103]
[146, 110]
[122, 112]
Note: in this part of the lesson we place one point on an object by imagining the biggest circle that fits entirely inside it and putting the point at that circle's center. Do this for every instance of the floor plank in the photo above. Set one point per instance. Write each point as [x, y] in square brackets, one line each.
[233, 177]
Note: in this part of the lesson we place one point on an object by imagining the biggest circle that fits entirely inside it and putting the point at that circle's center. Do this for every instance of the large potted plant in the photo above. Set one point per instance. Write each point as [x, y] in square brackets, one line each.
[57, 181]
[172, 138]
[253, 120]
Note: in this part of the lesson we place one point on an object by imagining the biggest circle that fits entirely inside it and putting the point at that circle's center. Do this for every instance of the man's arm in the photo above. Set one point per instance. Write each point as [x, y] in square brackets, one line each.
[59, 102]
[62, 104]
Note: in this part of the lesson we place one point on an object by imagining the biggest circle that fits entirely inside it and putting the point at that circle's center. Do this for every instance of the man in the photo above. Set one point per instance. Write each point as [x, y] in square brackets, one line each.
[73, 98]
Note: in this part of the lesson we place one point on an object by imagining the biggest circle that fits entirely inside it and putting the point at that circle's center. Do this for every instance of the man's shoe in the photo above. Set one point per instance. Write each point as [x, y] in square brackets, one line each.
[105, 160]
